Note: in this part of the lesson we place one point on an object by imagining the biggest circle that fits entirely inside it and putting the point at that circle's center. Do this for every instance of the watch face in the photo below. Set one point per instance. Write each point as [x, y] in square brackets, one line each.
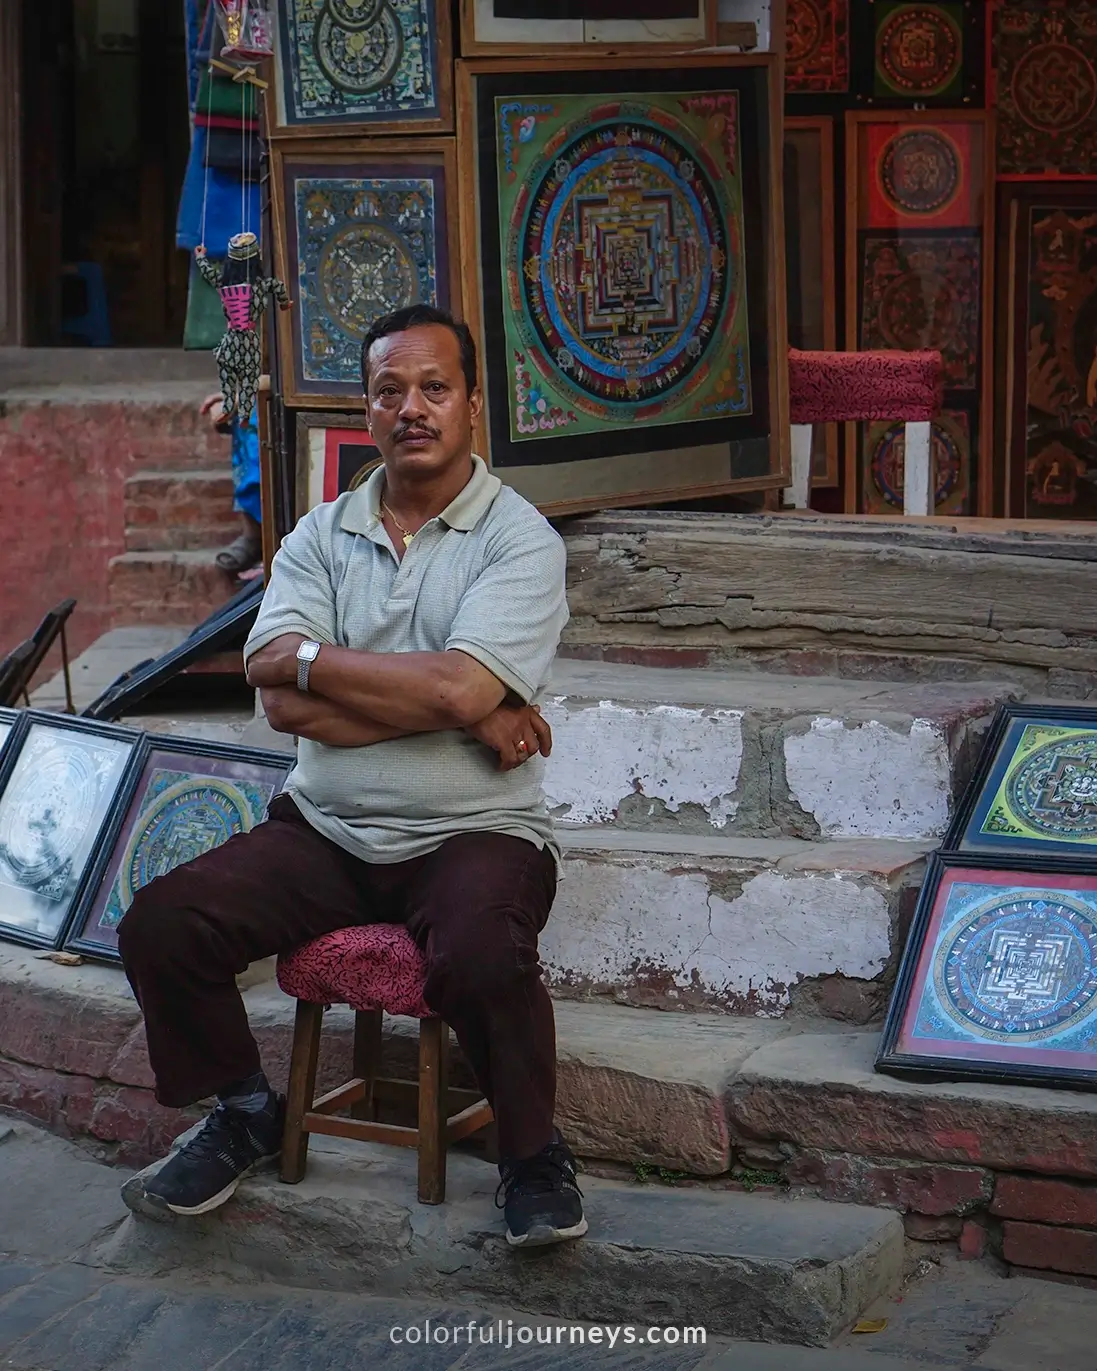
[308, 652]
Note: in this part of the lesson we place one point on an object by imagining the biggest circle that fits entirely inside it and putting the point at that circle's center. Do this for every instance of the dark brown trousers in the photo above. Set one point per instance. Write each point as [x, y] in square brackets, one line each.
[475, 906]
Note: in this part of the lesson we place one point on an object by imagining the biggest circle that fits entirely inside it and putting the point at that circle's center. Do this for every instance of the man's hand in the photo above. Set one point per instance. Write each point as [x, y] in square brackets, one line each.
[516, 734]
[275, 664]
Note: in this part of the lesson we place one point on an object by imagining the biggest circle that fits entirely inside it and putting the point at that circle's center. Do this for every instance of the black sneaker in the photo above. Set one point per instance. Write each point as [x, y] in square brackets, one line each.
[541, 1199]
[205, 1171]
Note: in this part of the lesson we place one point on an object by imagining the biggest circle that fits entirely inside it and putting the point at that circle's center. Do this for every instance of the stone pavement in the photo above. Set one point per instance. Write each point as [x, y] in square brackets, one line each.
[59, 1312]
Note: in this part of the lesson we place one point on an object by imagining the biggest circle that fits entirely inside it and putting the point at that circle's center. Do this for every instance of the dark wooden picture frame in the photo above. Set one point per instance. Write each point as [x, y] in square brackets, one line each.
[822, 255]
[282, 125]
[957, 1060]
[129, 815]
[85, 850]
[979, 400]
[996, 760]
[972, 65]
[690, 464]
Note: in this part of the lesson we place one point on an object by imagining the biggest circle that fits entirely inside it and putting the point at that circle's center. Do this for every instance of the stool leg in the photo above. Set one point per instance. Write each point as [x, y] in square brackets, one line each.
[302, 1089]
[367, 1058]
[433, 1092]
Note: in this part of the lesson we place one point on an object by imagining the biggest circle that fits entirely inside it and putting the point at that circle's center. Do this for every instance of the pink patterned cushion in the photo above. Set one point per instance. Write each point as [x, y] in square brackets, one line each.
[376, 966]
[839, 386]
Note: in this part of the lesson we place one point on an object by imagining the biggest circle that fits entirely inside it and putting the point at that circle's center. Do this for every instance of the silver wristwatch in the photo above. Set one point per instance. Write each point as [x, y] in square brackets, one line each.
[306, 655]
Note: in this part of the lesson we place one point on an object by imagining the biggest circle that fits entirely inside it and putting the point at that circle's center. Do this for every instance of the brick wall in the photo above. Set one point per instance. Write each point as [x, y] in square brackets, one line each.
[65, 464]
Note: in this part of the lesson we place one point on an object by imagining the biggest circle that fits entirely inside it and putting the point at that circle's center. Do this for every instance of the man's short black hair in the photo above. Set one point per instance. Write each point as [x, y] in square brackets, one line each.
[412, 316]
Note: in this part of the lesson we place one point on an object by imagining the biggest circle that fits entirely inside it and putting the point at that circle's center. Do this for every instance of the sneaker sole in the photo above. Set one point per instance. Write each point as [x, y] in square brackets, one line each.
[153, 1206]
[544, 1236]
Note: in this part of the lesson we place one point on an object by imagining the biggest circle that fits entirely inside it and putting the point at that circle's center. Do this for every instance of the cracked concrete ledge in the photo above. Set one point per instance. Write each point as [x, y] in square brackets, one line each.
[745, 1266]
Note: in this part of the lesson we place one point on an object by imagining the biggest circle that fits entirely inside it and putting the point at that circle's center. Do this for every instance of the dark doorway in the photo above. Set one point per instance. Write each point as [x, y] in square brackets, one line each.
[106, 137]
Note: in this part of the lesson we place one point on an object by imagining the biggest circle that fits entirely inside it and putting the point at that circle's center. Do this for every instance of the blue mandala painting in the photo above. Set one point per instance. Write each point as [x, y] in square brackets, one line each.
[181, 816]
[359, 61]
[1012, 965]
[365, 246]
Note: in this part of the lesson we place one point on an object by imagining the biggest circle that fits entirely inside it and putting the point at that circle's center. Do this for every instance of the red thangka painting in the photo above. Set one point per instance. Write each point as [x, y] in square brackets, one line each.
[817, 48]
[1043, 83]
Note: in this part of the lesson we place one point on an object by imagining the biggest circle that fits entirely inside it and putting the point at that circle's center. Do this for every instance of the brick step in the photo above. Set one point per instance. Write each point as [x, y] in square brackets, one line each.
[179, 510]
[166, 587]
[760, 754]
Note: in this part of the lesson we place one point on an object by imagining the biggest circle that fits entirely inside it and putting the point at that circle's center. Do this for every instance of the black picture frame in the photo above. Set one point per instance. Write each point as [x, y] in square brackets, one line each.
[993, 765]
[891, 1059]
[971, 15]
[9, 722]
[128, 815]
[90, 842]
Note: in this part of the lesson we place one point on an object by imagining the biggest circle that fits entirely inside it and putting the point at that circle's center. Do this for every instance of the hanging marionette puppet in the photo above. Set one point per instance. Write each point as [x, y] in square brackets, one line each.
[245, 295]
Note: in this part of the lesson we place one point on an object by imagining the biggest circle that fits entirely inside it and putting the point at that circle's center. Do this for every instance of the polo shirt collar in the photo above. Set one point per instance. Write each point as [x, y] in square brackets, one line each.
[362, 512]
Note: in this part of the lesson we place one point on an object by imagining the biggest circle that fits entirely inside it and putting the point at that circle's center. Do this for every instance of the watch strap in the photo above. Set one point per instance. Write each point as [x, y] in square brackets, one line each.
[303, 674]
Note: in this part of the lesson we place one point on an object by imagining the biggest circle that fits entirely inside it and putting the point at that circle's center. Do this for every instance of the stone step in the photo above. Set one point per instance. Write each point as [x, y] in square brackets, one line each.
[760, 754]
[179, 510]
[739, 1265]
[167, 587]
[743, 925]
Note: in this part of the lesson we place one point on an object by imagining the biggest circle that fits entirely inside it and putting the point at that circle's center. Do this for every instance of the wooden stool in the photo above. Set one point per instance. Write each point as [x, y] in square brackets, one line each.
[373, 969]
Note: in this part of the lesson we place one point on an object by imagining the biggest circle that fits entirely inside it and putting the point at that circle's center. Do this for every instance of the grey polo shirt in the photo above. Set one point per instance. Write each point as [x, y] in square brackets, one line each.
[486, 577]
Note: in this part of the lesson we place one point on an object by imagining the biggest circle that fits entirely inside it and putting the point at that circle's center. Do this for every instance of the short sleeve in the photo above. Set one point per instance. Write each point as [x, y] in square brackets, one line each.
[511, 617]
[300, 597]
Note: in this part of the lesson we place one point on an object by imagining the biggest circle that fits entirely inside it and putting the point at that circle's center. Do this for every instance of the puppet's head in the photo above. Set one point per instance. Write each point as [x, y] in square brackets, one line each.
[242, 264]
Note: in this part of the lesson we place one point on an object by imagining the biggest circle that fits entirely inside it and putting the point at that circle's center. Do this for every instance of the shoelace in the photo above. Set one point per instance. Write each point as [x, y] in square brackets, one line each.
[539, 1175]
[221, 1129]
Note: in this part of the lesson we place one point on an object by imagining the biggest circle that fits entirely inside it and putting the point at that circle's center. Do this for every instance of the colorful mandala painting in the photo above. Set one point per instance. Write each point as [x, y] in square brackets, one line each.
[181, 815]
[1049, 791]
[924, 292]
[365, 245]
[359, 61]
[1044, 55]
[884, 451]
[622, 243]
[922, 175]
[817, 47]
[919, 50]
[1013, 963]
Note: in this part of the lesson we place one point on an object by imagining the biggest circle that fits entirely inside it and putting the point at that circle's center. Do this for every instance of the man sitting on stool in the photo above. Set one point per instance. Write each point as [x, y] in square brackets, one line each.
[407, 630]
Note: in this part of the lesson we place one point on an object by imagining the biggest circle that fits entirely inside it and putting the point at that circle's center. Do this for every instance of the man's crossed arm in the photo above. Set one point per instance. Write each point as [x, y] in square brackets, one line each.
[356, 699]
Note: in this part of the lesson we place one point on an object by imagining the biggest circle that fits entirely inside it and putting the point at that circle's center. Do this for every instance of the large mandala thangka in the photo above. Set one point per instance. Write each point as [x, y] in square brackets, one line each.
[621, 229]
[924, 292]
[357, 61]
[817, 47]
[885, 451]
[364, 247]
[181, 816]
[919, 50]
[1045, 65]
[1049, 792]
[1015, 965]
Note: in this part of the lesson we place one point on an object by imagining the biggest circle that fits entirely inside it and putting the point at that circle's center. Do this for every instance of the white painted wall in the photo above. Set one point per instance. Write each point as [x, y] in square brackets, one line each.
[731, 11]
[871, 781]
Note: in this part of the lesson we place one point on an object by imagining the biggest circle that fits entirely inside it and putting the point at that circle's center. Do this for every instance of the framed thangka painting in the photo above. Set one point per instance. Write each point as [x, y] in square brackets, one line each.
[817, 47]
[999, 978]
[1047, 378]
[362, 228]
[383, 65]
[919, 52]
[493, 28]
[621, 249]
[189, 798]
[1042, 83]
[1034, 791]
[60, 782]
[810, 260]
[335, 454]
[919, 274]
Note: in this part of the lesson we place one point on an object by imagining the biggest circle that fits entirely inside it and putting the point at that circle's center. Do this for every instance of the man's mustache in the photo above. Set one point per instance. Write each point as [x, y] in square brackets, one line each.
[414, 431]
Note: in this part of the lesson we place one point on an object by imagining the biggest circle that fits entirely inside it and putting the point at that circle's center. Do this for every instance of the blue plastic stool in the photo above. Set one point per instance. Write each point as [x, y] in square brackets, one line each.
[94, 323]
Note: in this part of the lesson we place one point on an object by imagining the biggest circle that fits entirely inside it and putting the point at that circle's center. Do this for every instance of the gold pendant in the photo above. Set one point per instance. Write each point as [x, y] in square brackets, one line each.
[407, 540]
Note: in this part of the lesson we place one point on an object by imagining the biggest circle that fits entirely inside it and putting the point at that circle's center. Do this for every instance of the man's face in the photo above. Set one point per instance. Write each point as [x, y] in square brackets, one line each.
[419, 412]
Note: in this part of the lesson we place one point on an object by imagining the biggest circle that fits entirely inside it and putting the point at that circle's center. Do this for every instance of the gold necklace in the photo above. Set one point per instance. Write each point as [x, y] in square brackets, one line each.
[407, 536]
